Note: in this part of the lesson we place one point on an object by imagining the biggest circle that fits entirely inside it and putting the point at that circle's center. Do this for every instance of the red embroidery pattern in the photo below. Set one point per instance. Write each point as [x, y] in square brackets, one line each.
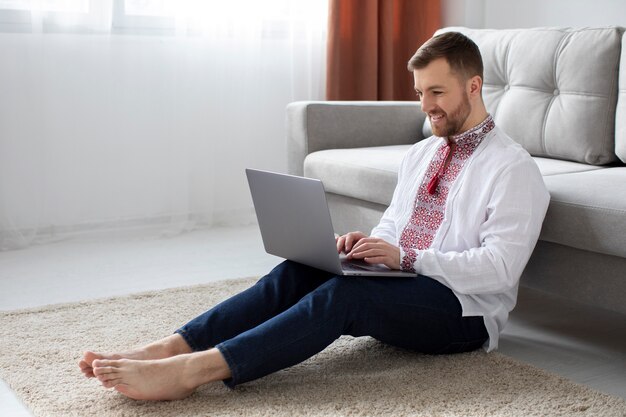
[429, 209]
[410, 256]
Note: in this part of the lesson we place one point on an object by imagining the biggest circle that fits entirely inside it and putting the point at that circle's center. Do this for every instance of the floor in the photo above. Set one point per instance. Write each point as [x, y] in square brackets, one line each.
[586, 345]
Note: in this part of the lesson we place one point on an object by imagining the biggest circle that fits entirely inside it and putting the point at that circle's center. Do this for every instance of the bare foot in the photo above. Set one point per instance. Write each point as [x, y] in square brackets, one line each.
[172, 378]
[170, 346]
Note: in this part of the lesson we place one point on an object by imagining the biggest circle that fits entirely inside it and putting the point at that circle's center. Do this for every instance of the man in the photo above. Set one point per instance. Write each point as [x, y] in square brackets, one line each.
[465, 216]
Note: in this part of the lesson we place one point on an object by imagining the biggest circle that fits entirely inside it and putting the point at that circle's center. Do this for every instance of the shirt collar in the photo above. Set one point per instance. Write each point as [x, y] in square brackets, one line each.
[475, 134]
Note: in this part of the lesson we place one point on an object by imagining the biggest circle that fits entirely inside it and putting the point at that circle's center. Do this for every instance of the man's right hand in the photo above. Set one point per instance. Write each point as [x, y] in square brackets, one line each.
[346, 242]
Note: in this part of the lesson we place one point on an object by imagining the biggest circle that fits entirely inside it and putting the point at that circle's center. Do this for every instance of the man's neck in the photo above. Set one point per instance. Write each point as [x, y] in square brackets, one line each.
[475, 118]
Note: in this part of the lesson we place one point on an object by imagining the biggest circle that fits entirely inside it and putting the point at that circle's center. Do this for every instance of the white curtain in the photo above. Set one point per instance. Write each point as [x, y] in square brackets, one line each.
[123, 114]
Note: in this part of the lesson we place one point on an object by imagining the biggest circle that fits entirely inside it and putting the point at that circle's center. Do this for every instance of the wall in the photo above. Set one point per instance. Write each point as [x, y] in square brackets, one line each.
[503, 14]
[107, 128]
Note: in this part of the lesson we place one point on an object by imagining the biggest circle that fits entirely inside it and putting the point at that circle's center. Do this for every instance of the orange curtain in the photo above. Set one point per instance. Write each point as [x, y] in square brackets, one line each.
[370, 43]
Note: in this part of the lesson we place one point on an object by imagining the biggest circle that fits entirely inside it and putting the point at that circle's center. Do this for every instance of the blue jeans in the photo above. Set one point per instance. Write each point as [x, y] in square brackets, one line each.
[296, 311]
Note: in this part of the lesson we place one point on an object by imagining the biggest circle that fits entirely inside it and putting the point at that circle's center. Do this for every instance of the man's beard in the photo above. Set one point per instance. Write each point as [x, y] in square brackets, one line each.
[455, 120]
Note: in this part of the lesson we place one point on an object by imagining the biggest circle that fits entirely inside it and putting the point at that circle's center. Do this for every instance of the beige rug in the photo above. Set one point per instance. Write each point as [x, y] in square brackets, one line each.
[40, 349]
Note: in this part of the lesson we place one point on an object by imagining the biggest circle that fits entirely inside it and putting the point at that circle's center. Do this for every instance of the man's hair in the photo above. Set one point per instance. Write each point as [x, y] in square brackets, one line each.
[461, 52]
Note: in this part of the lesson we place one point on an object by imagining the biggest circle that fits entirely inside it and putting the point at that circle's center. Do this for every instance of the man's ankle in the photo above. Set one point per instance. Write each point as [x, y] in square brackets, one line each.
[176, 345]
[206, 366]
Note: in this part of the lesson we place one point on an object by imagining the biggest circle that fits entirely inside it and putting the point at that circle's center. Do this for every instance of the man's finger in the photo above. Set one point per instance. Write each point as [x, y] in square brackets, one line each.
[351, 241]
[364, 241]
[376, 260]
[340, 242]
[369, 253]
[368, 243]
[346, 243]
[359, 248]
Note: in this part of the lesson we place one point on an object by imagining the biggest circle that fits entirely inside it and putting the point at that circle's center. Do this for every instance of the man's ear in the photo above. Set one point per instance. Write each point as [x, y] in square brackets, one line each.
[474, 86]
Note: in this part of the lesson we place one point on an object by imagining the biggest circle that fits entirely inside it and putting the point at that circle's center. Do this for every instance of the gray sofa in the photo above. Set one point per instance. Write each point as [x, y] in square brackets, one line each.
[557, 91]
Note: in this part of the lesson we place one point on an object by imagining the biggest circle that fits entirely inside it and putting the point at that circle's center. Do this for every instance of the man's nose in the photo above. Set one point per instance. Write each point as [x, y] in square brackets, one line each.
[426, 104]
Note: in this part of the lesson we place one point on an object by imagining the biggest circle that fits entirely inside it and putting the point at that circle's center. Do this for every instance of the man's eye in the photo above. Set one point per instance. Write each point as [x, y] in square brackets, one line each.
[437, 93]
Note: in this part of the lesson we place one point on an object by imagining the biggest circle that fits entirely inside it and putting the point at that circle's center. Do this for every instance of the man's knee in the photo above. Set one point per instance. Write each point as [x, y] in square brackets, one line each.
[290, 274]
[297, 267]
[344, 301]
[286, 269]
[277, 274]
[345, 290]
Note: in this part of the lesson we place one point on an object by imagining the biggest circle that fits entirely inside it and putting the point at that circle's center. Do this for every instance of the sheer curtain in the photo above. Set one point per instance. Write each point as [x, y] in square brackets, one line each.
[132, 114]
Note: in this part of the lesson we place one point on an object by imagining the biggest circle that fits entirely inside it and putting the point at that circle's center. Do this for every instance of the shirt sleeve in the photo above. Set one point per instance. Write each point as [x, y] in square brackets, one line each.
[508, 235]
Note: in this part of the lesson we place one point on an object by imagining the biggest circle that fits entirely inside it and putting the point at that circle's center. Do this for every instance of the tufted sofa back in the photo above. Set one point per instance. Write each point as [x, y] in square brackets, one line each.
[554, 90]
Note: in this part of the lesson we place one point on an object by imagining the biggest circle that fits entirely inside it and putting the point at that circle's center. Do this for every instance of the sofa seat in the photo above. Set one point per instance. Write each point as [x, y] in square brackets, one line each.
[587, 211]
[368, 174]
[549, 166]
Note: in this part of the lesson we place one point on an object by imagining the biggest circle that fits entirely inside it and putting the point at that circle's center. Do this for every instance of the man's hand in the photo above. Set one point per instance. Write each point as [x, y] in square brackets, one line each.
[346, 242]
[376, 251]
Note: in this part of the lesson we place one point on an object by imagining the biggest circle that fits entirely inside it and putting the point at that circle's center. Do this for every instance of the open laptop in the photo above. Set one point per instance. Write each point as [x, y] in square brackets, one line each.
[295, 224]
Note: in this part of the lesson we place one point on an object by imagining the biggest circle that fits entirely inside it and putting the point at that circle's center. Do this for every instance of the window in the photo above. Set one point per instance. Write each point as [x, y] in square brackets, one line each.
[265, 18]
[74, 6]
[144, 16]
[50, 15]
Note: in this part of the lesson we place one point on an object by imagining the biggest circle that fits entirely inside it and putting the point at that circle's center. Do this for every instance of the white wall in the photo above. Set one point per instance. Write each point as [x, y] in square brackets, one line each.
[470, 13]
[103, 128]
[505, 14]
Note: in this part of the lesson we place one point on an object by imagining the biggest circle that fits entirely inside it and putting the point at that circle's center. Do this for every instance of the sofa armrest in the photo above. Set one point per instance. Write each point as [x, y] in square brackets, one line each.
[318, 125]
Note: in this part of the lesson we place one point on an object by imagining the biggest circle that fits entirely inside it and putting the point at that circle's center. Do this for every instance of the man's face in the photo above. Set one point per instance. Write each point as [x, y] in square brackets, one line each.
[444, 98]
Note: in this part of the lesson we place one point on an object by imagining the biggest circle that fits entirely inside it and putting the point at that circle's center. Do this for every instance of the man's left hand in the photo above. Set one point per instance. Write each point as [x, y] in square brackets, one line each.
[376, 251]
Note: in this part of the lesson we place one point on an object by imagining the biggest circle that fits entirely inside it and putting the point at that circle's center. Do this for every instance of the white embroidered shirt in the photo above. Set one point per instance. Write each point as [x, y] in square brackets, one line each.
[476, 232]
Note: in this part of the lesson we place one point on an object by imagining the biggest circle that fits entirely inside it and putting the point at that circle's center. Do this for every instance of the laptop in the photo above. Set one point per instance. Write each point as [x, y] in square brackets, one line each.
[295, 224]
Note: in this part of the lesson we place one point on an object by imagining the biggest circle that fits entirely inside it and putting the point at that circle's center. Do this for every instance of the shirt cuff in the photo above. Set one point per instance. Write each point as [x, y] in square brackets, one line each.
[407, 259]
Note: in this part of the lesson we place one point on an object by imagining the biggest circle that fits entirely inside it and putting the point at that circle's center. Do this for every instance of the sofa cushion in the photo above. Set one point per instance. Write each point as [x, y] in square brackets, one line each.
[553, 90]
[587, 207]
[549, 166]
[368, 174]
[587, 211]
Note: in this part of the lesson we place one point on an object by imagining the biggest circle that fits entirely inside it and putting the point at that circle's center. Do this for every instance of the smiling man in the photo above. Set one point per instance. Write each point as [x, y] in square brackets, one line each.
[449, 84]
[465, 216]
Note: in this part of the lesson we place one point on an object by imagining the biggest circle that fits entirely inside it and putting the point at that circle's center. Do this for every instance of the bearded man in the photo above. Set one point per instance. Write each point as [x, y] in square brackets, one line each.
[465, 216]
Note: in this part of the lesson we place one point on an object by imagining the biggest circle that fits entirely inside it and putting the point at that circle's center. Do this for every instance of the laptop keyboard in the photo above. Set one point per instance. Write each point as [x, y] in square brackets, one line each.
[350, 266]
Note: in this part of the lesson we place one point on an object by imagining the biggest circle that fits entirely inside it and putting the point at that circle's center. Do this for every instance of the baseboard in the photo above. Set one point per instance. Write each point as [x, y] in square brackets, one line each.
[165, 225]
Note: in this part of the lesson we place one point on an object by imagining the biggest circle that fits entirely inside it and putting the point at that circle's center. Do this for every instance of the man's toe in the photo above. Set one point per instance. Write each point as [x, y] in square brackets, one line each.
[89, 357]
[110, 383]
[86, 369]
[107, 374]
[105, 370]
[101, 363]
